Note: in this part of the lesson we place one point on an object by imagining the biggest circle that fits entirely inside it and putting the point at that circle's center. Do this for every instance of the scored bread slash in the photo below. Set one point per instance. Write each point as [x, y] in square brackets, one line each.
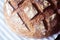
[29, 10]
[19, 20]
[14, 3]
[9, 9]
[16, 19]
[23, 22]
[41, 4]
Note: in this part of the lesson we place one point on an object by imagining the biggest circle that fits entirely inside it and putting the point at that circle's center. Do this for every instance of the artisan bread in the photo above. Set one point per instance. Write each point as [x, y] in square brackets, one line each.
[33, 18]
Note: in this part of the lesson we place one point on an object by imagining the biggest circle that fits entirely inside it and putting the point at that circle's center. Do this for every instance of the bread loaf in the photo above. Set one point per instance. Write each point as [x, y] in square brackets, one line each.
[33, 18]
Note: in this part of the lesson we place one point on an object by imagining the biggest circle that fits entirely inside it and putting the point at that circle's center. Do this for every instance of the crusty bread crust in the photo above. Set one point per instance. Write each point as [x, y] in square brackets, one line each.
[35, 24]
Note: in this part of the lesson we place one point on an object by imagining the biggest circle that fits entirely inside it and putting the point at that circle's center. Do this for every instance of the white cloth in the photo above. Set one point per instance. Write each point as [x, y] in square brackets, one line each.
[7, 34]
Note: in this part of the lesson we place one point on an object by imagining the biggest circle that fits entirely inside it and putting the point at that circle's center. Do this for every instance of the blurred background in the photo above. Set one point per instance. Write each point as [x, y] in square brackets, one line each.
[7, 34]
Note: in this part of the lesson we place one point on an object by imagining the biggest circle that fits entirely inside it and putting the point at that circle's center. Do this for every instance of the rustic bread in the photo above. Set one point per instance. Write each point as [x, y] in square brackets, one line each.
[33, 18]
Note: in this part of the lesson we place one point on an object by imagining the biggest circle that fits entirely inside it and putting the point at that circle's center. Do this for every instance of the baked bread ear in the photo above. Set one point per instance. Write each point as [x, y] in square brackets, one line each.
[36, 19]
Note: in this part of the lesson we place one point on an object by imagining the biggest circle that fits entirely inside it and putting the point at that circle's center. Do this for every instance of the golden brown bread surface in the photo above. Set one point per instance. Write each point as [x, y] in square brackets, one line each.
[33, 18]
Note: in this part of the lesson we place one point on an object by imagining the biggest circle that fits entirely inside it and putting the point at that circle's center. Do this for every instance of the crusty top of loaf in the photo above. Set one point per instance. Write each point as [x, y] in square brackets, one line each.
[38, 16]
